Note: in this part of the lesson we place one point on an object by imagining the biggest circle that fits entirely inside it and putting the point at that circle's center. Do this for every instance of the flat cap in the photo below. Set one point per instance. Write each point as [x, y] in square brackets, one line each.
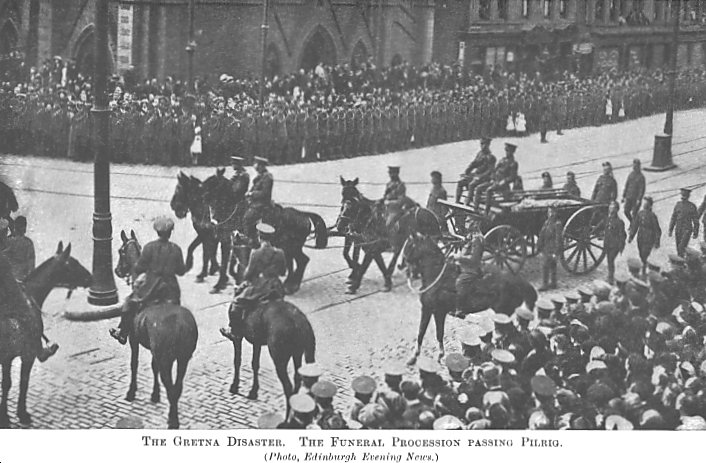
[456, 362]
[511, 146]
[557, 299]
[261, 160]
[503, 356]
[617, 423]
[545, 305]
[363, 385]
[310, 370]
[501, 319]
[394, 368]
[686, 191]
[265, 229]
[302, 403]
[270, 420]
[634, 263]
[524, 313]
[470, 339]
[324, 389]
[597, 353]
[354, 425]
[163, 224]
[585, 291]
[448, 422]
[543, 386]
[428, 365]
[372, 415]
[539, 420]
[572, 296]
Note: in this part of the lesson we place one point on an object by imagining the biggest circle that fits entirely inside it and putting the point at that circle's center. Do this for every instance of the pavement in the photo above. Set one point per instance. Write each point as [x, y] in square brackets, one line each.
[84, 384]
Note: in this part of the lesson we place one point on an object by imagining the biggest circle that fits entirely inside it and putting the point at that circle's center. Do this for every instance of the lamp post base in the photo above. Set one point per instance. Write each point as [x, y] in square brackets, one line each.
[662, 154]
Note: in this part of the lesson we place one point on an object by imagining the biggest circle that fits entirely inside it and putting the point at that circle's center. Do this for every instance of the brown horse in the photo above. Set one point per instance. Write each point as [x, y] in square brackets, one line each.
[21, 324]
[169, 331]
[502, 291]
[286, 332]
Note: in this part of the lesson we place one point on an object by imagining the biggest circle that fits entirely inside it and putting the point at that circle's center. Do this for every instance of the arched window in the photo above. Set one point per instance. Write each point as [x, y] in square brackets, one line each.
[360, 54]
[319, 48]
[84, 52]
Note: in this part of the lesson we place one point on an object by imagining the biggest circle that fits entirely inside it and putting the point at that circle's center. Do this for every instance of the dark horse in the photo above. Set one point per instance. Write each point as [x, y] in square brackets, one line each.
[375, 228]
[292, 230]
[286, 332]
[497, 289]
[188, 198]
[166, 329]
[21, 325]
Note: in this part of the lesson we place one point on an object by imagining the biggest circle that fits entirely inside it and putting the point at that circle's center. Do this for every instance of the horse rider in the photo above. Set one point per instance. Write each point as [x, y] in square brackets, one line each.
[161, 262]
[240, 178]
[685, 221]
[504, 175]
[395, 189]
[606, 188]
[260, 196]
[469, 263]
[262, 277]
[477, 172]
[549, 244]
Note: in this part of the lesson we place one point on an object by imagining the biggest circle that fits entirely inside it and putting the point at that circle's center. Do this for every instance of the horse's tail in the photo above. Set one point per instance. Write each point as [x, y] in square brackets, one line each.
[309, 344]
[320, 230]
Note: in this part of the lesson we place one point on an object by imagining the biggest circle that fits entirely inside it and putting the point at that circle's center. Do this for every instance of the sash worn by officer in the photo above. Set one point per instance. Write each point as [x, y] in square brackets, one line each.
[260, 196]
[160, 263]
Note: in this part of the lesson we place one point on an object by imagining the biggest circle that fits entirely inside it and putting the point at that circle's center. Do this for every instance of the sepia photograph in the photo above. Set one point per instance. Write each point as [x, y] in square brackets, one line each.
[341, 215]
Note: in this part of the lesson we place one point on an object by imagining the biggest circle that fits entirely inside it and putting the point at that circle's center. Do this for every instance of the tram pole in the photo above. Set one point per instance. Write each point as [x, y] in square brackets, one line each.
[263, 63]
[102, 291]
[191, 46]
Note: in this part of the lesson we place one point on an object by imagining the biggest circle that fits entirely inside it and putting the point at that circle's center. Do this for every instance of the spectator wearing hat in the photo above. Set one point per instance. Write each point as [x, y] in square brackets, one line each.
[550, 244]
[634, 190]
[302, 410]
[240, 178]
[606, 188]
[415, 408]
[19, 250]
[615, 236]
[327, 417]
[260, 196]
[570, 186]
[684, 221]
[456, 364]
[394, 372]
[505, 331]
[161, 262]
[645, 226]
[437, 192]
[363, 389]
[310, 374]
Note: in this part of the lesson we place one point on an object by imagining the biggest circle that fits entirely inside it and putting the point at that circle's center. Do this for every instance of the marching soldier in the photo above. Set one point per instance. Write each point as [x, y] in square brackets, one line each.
[395, 188]
[240, 178]
[260, 196]
[634, 190]
[606, 188]
[646, 227]
[549, 244]
[685, 221]
[614, 238]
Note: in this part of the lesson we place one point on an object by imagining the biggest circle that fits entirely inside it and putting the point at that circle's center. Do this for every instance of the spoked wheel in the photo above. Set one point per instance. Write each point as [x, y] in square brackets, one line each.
[584, 233]
[532, 249]
[505, 247]
[451, 245]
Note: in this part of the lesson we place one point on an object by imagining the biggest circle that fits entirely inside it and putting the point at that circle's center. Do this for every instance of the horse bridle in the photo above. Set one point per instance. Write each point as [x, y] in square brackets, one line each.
[410, 270]
[122, 252]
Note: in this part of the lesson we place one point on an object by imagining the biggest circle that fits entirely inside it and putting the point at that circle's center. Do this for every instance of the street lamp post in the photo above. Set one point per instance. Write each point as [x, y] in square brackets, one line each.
[662, 154]
[263, 64]
[102, 291]
[191, 46]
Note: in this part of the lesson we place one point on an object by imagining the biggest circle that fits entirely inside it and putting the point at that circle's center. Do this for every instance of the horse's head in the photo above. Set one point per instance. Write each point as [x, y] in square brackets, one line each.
[63, 271]
[418, 249]
[350, 199]
[180, 198]
[128, 254]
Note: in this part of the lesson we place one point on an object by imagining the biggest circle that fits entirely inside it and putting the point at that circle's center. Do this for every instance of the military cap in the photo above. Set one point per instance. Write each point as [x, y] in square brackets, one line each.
[607, 164]
[648, 199]
[572, 296]
[363, 385]
[265, 229]
[163, 224]
[503, 356]
[129, 422]
[410, 388]
[310, 370]
[470, 339]
[501, 319]
[302, 403]
[448, 422]
[597, 353]
[456, 362]
[651, 266]
[393, 168]
[394, 368]
[585, 291]
[474, 330]
[544, 305]
[511, 146]
[621, 278]
[556, 299]
[323, 389]
[270, 420]
[595, 365]
[486, 140]
[428, 365]
[676, 259]
[261, 160]
[634, 263]
[617, 423]
[524, 313]
[685, 191]
[236, 159]
[697, 306]
[543, 386]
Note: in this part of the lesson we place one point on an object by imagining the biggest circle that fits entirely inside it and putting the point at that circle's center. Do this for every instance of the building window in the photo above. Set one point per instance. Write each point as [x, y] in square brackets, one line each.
[495, 56]
[547, 8]
[525, 8]
[502, 9]
[484, 9]
[563, 8]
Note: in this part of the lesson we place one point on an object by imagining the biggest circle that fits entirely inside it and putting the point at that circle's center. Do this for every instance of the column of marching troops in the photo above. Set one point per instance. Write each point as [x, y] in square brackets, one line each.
[162, 131]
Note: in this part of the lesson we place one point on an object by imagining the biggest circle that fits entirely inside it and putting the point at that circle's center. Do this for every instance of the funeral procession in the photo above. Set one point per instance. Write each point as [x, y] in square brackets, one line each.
[343, 215]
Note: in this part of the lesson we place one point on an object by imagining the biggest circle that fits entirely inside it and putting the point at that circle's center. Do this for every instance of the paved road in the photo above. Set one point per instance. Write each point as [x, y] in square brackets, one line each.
[84, 384]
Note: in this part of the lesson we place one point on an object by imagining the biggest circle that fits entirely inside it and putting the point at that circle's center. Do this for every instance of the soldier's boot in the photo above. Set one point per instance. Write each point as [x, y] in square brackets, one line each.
[121, 332]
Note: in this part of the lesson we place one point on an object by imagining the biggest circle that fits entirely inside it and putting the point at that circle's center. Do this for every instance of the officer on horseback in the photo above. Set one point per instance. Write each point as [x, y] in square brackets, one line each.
[262, 277]
[161, 261]
[240, 178]
[469, 263]
[395, 189]
[260, 196]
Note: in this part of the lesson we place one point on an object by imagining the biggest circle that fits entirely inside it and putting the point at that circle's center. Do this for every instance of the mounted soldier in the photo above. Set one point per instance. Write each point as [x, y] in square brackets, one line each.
[240, 178]
[260, 196]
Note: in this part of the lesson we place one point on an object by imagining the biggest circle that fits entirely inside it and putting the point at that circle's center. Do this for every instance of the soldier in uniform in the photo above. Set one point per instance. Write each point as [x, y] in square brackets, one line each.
[363, 389]
[395, 189]
[504, 175]
[606, 188]
[240, 178]
[634, 190]
[570, 186]
[685, 221]
[302, 408]
[437, 192]
[328, 417]
[477, 172]
[549, 244]
[260, 196]
[470, 268]
[161, 261]
[615, 236]
[262, 279]
[646, 226]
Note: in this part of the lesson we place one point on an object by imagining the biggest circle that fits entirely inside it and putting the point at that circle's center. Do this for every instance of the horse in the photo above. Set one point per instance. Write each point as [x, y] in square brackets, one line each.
[169, 331]
[500, 290]
[292, 230]
[187, 198]
[286, 332]
[375, 228]
[21, 325]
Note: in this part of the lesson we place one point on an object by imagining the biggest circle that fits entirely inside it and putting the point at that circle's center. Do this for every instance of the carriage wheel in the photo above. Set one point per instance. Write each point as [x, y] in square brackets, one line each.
[505, 247]
[532, 249]
[584, 232]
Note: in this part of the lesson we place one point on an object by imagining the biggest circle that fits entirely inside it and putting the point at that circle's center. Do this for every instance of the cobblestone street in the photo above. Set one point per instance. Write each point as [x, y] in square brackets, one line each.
[84, 384]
